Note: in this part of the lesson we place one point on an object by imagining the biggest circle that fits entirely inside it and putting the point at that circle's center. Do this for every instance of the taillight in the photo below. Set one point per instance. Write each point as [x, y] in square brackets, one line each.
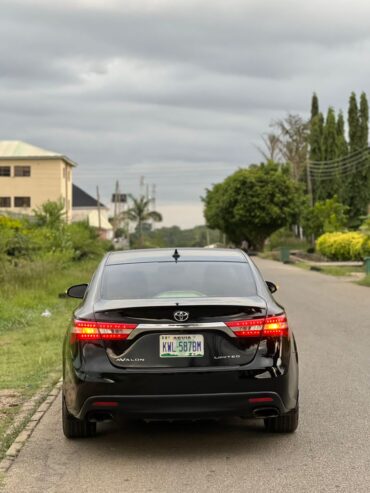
[267, 327]
[85, 330]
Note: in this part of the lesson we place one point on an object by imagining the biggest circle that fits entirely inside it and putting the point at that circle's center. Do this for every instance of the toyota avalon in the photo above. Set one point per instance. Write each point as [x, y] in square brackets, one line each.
[177, 334]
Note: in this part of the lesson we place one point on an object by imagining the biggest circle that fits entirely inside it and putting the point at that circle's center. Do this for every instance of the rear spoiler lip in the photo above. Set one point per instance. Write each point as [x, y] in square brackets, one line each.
[106, 305]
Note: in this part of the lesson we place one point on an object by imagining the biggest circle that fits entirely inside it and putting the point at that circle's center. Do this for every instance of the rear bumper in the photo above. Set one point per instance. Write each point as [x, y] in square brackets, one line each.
[181, 394]
[184, 405]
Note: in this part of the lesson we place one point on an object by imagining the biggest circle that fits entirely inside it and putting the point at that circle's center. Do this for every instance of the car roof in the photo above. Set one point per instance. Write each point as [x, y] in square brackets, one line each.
[166, 255]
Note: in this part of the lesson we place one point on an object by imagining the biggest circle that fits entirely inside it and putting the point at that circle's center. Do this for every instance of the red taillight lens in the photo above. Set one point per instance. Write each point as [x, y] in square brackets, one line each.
[246, 328]
[267, 327]
[85, 330]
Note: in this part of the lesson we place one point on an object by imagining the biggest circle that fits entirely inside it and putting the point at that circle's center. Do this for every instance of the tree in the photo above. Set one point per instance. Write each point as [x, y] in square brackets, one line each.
[254, 202]
[294, 136]
[353, 124]
[342, 146]
[328, 188]
[357, 184]
[50, 214]
[325, 216]
[271, 149]
[140, 213]
[314, 106]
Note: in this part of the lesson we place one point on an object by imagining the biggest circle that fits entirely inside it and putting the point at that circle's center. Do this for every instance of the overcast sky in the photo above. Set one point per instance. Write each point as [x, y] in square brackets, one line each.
[176, 90]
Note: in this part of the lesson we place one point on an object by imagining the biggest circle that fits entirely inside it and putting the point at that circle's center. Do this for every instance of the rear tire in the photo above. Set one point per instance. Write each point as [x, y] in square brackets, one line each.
[76, 428]
[287, 423]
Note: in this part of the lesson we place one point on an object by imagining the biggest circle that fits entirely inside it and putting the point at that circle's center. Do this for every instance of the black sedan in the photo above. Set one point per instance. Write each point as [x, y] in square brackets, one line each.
[187, 333]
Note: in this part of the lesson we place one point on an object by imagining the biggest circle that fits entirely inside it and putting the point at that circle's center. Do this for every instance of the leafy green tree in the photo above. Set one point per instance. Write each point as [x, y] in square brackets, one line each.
[253, 202]
[325, 216]
[140, 213]
[50, 214]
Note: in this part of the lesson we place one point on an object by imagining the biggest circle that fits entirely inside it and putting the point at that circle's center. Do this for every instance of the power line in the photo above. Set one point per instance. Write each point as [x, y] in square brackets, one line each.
[339, 160]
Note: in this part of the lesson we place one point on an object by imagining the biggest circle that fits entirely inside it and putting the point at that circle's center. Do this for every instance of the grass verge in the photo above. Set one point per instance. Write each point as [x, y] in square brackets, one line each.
[365, 281]
[30, 343]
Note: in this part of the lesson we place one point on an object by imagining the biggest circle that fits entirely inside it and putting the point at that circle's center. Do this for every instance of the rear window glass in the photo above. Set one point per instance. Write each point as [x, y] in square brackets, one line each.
[177, 280]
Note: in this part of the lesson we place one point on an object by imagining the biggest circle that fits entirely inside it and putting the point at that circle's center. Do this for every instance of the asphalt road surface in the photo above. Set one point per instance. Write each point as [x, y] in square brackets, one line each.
[330, 452]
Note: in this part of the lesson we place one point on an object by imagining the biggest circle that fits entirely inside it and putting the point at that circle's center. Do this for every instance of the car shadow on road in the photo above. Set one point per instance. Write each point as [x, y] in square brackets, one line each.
[163, 439]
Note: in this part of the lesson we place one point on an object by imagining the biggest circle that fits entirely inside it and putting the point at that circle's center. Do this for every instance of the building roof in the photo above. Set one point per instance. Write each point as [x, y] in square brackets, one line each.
[83, 200]
[16, 149]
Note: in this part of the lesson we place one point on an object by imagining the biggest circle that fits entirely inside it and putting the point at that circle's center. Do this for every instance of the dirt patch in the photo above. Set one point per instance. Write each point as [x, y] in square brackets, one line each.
[8, 399]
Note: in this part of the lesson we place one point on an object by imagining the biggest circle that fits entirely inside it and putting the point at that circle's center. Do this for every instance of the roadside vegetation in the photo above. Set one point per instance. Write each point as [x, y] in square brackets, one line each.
[39, 258]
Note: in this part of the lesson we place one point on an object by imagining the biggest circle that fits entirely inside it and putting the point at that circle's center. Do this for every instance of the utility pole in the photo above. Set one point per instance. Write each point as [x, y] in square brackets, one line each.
[115, 214]
[142, 185]
[99, 211]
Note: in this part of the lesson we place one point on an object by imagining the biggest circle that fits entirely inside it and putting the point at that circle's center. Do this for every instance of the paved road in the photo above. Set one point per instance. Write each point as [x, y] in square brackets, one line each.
[329, 453]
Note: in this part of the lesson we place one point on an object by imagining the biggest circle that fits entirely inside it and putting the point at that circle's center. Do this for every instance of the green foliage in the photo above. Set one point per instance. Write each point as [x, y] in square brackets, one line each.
[50, 214]
[140, 213]
[253, 203]
[316, 138]
[84, 241]
[324, 217]
[344, 246]
[357, 194]
[328, 188]
[176, 237]
[314, 106]
[349, 178]
[48, 236]
[284, 237]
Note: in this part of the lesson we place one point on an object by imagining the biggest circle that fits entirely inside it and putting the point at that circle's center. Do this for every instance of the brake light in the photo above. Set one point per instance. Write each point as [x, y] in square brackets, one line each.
[267, 327]
[86, 330]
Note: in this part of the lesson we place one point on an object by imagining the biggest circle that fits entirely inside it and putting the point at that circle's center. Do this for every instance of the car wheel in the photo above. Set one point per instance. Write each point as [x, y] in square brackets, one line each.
[287, 423]
[76, 428]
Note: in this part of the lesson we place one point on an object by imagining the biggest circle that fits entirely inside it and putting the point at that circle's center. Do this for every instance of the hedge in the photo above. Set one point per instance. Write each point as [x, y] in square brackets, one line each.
[344, 246]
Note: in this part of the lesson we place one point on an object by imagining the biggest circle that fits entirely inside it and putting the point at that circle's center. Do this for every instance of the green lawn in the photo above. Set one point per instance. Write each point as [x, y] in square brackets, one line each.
[30, 344]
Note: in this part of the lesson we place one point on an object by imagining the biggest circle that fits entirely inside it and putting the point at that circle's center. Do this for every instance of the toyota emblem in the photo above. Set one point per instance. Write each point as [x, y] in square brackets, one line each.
[181, 316]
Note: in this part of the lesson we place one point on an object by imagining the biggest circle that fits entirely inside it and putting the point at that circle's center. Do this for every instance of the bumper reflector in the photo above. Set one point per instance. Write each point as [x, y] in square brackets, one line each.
[105, 404]
[256, 400]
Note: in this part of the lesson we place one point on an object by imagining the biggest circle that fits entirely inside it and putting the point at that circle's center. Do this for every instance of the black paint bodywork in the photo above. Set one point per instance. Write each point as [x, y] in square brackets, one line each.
[252, 367]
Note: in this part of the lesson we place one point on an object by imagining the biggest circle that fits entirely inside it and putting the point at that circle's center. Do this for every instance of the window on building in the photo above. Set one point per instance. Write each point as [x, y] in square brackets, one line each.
[22, 170]
[4, 170]
[5, 202]
[22, 201]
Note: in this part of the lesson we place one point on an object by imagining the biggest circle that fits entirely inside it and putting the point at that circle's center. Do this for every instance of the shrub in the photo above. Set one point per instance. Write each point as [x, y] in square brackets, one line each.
[344, 246]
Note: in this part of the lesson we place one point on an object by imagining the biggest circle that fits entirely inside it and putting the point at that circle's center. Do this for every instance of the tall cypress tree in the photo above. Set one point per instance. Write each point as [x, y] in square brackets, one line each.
[314, 106]
[326, 188]
[316, 146]
[357, 181]
[364, 165]
[353, 124]
[342, 146]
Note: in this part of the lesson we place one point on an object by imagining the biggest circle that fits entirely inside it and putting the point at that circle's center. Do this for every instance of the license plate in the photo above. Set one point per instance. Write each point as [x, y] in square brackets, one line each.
[181, 346]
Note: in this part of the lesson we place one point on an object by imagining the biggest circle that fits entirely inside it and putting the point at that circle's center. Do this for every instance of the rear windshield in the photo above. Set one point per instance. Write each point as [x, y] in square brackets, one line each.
[177, 280]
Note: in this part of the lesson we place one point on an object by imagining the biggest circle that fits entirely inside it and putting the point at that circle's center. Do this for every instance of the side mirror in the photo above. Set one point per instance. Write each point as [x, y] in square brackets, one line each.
[272, 287]
[77, 291]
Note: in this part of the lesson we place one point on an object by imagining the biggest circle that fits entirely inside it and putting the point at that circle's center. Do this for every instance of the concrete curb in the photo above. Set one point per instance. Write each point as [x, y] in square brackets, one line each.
[32, 421]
